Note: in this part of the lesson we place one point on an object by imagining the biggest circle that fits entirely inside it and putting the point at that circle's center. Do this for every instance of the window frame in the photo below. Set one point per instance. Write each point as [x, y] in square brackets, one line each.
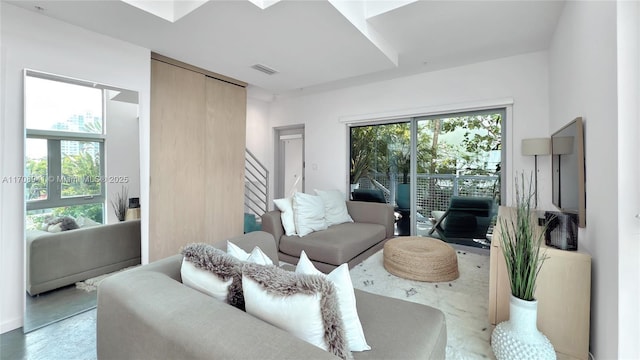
[54, 156]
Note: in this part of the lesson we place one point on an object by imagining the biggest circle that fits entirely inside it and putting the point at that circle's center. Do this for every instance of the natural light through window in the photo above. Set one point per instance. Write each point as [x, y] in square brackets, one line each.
[64, 152]
[55, 105]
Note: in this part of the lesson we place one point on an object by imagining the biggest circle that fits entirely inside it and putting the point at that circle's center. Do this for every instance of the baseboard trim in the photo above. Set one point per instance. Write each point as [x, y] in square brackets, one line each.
[12, 324]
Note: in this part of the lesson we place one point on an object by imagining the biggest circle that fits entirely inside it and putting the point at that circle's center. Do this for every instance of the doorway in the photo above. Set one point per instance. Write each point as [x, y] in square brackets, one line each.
[289, 161]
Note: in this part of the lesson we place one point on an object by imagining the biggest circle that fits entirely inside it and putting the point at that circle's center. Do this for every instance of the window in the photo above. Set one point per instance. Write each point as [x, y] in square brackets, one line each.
[64, 152]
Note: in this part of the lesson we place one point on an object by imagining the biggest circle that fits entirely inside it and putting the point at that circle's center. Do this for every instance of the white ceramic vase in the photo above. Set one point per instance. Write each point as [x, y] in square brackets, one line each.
[519, 338]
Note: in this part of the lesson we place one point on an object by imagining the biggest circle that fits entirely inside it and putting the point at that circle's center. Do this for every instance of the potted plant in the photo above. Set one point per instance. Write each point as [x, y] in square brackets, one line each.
[519, 337]
[120, 204]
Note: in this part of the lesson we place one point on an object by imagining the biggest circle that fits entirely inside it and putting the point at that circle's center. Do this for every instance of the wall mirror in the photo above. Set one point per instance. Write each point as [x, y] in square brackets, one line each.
[568, 171]
[81, 157]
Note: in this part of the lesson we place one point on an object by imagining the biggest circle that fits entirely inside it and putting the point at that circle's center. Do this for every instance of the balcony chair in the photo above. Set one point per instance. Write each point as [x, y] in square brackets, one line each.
[403, 202]
[466, 221]
[369, 195]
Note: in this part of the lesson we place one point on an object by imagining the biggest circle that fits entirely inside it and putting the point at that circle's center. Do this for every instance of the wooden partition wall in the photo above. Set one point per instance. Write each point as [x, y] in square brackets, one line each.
[197, 157]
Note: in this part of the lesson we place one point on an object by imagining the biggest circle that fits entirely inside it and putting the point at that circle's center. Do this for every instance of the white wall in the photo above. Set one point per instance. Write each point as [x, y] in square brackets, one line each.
[582, 73]
[259, 133]
[628, 30]
[122, 153]
[30, 40]
[522, 78]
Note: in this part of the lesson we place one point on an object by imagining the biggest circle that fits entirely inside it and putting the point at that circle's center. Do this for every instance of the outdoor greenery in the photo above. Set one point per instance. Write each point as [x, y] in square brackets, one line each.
[82, 174]
[521, 245]
[83, 170]
[453, 145]
[386, 148]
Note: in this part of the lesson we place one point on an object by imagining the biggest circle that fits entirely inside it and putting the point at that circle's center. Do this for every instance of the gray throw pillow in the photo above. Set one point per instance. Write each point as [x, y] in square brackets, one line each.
[66, 223]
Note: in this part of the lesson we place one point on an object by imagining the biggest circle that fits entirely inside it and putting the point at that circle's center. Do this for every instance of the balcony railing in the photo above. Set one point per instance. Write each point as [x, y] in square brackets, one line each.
[434, 191]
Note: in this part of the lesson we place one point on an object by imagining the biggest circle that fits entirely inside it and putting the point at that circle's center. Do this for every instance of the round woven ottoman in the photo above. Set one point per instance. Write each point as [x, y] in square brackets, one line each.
[421, 258]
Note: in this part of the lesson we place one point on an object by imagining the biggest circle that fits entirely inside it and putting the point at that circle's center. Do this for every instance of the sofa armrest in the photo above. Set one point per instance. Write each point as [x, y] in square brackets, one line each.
[272, 224]
[373, 213]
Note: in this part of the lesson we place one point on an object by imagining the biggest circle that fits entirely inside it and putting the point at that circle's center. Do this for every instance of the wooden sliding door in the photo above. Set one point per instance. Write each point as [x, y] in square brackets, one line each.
[225, 144]
[197, 159]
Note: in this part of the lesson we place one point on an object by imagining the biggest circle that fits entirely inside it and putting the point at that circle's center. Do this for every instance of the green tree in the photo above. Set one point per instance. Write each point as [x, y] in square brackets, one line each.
[83, 174]
[482, 134]
[36, 186]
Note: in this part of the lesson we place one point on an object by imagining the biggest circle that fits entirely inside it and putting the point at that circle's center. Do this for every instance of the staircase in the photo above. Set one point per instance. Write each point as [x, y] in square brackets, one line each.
[256, 192]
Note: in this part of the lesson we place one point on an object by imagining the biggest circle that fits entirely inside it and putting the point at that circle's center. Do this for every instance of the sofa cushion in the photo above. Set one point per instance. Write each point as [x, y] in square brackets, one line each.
[212, 271]
[205, 281]
[256, 256]
[335, 207]
[304, 305]
[394, 327]
[308, 213]
[346, 299]
[335, 245]
[285, 206]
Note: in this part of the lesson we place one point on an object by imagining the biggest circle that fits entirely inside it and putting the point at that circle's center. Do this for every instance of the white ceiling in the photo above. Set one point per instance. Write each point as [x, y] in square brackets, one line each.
[311, 44]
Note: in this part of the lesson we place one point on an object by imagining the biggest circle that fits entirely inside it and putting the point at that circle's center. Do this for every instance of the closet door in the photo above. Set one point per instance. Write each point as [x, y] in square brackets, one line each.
[224, 159]
[178, 184]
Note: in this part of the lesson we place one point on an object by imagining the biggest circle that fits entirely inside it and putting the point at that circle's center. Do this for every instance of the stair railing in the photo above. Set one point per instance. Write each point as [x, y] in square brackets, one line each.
[256, 185]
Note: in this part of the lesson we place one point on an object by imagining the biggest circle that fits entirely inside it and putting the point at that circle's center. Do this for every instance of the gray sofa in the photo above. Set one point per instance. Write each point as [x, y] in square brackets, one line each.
[348, 243]
[147, 313]
[58, 259]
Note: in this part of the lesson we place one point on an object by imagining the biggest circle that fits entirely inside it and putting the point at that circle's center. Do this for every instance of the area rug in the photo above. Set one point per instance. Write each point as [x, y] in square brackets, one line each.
[464, 301]
[93, 283]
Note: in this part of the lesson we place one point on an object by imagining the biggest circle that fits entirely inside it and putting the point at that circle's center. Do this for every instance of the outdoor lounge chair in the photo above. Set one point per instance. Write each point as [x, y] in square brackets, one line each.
[467, 218]
[369, 195]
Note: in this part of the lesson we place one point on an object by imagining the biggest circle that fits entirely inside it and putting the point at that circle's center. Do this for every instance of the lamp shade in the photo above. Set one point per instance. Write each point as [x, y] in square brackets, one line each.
[537, 146]
[563, 145]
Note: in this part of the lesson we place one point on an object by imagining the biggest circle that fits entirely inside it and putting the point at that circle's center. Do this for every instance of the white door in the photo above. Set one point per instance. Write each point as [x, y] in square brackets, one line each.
[289, 161]
[292, 150]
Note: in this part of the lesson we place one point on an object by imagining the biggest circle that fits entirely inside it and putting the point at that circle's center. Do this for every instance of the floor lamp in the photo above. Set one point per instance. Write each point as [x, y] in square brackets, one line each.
[535, 147]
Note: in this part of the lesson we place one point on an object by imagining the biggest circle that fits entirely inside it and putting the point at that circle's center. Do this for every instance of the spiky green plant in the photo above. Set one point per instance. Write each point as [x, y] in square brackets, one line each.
[120, 205]
[521, 245]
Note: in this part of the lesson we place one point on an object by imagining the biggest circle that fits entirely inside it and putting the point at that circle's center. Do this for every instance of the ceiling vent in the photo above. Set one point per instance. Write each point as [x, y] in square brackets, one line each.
[265, 69]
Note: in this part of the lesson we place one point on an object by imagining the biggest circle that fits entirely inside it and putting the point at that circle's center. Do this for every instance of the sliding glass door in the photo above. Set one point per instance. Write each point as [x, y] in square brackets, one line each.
[419, 164]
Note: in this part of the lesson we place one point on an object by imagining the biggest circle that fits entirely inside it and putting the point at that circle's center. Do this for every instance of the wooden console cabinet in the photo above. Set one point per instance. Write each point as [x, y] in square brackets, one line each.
[563, 292]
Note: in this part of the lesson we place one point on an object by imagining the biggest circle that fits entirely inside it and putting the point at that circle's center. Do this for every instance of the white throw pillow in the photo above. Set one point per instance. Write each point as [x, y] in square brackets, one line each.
[286, 215]
[335, 207]
[257, 256]
[306, 306]
[308, 212]
[346, 299]
[213, 272]
[204, 281]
